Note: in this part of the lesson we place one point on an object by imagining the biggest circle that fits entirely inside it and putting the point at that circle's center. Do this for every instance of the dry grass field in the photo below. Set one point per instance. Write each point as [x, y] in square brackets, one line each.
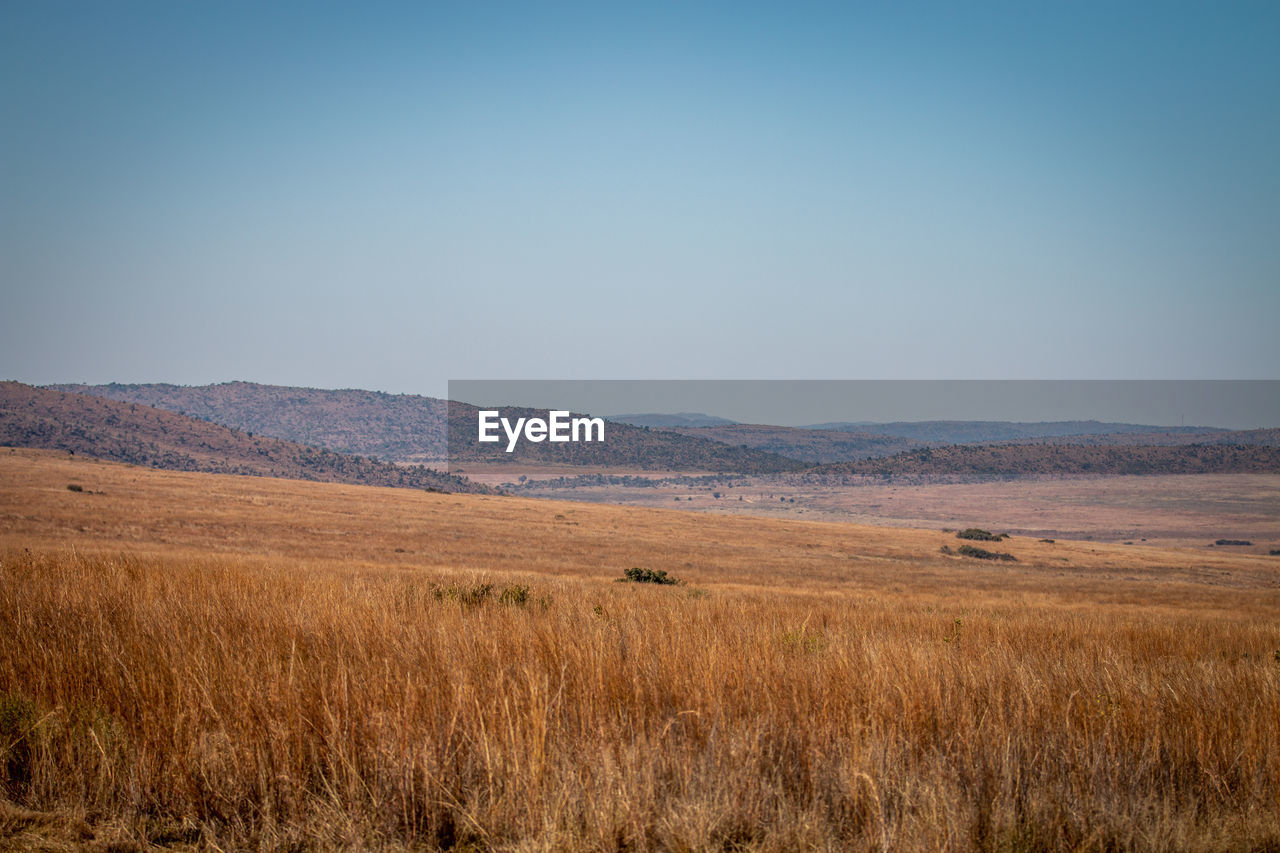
[1181, 510]
[215, 662]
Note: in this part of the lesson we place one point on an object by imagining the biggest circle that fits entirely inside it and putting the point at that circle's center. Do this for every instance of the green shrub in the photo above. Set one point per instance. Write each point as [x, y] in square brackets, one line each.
[17, 720]
[981, 535]
[638, 575]
[468, 596]
[516, 594]
[984, 554]
[803, 642]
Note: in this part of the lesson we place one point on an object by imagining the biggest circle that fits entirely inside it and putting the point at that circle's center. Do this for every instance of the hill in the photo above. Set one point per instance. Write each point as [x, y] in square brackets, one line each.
[390, 427]
[1159, 436]
[666, 421]
[816, 446]
[986, 432]
[410, 428]
[130, 432]
[842, 443]
[625, 446]
[977, 463]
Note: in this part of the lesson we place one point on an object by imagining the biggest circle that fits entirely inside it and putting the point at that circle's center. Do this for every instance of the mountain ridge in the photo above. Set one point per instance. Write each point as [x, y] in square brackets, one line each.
[406, 428]
[145, 435]
[389, 427]
[967, 463]
[983, 432]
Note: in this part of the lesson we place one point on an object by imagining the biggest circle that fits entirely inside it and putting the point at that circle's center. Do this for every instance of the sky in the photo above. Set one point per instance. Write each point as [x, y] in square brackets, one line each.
[1228, 404]
[393, 195]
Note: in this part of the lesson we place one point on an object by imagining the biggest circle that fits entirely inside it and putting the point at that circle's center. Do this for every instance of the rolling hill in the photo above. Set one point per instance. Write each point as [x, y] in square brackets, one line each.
[669, 421]
[825, 446]
[1160, 436]
[626, 446]
[986, 432]
[963, 463]
[815, 446]
[407, 428]
[390, 427]
[131, 432]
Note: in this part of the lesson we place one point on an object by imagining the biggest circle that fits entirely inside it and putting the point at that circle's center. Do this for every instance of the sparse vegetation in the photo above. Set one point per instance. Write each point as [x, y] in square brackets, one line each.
[980, 535]
[18, 722]
[516, 594]
[468, 595]
[250, 677]
[984, 554]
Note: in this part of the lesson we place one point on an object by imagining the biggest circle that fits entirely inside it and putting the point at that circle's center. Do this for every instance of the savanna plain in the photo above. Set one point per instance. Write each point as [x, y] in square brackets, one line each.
[211, 662]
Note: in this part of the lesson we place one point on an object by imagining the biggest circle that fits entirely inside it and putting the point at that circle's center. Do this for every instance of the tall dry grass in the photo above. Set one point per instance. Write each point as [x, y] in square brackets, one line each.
[243, 702]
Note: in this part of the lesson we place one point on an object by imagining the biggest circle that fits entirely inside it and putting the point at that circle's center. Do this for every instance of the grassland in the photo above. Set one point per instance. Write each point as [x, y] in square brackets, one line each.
[1175, 510]
[218, 662]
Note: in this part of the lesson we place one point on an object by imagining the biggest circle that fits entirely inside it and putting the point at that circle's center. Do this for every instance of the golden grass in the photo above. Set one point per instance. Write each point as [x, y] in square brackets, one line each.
[217, 662]
[1178, 510]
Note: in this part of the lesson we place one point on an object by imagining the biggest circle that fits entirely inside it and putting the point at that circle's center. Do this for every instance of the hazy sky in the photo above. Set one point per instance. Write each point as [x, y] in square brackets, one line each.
[391, 195]
[1233, 404]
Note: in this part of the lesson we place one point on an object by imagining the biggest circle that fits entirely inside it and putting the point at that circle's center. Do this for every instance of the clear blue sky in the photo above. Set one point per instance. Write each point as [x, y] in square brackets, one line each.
[391, 195]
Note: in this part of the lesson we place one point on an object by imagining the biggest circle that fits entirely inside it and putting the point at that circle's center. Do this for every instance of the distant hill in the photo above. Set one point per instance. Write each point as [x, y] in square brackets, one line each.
[142, 435]
[977, 463]
[408, 428]
[390, 427]
[1263, 437]
[411, 429]
[986, 432]
[679, 419]
[625, 446]
[815, 446]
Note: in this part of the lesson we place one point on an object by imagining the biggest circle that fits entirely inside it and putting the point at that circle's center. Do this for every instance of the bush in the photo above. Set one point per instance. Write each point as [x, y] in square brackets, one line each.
[1217, 542]
[468, 596]
[74, 488]
[984, 554]
[517, 595]
[980, 535]
[17, 720]
[638, 575]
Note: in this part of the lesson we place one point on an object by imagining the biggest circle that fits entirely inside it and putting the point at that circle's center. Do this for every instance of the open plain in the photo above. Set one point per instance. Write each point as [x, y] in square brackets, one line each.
[218, 662]
[1181, 510]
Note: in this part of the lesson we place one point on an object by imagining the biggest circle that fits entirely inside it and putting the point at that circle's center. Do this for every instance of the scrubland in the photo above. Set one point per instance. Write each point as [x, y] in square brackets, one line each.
[214, 662]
